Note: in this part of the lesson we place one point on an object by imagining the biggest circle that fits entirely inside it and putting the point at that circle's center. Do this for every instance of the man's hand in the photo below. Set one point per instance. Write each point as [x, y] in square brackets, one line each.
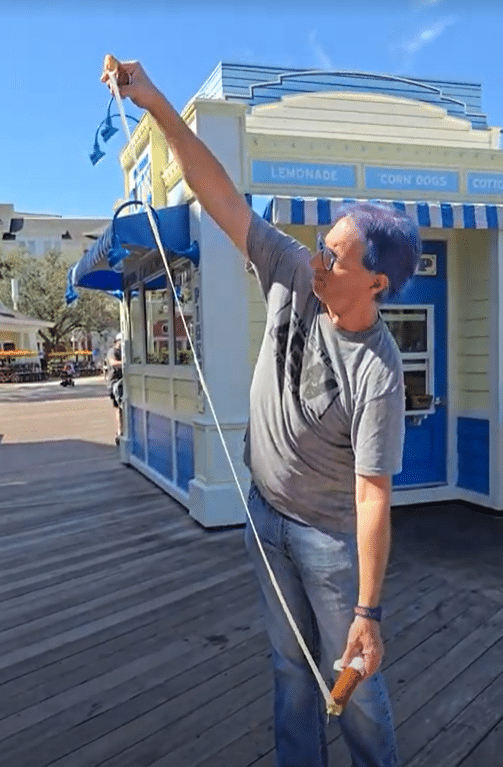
[132, 82]
[364, 638]
[200, 168]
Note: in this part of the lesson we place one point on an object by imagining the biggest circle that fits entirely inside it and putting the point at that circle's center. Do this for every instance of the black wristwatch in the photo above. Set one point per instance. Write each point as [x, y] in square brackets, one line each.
[373, 613]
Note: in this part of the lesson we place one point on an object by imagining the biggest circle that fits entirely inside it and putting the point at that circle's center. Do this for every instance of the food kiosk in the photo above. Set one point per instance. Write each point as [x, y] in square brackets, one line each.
[297, 143]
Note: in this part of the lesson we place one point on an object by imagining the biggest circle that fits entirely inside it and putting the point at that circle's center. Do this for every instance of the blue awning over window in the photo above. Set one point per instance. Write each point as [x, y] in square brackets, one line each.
[100, 267]
[441, 215]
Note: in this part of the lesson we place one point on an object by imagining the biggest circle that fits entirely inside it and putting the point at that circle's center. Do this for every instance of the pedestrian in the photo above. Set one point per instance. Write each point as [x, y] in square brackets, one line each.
[115, 384]
[43, 365]
[325, 437]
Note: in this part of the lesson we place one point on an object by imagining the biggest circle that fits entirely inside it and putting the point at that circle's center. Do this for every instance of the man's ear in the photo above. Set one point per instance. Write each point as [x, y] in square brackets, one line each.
[380, 284]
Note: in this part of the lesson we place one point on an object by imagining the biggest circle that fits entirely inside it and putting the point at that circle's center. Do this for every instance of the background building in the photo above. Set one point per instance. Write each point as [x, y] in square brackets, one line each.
[38, 233]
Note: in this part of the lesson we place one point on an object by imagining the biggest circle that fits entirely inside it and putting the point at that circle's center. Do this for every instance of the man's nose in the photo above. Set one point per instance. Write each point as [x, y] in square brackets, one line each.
[315, 261]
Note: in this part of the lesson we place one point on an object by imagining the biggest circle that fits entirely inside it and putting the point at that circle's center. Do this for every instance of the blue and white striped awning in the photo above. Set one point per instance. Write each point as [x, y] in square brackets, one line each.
[321, 211]
[134, 237]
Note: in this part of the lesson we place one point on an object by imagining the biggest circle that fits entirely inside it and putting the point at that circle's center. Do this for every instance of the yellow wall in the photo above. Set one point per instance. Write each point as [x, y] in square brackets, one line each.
[147, 134]
[473, 312]
[10, 336]
[185, 396]
[135, 390]
[163, 395]
[367, 117]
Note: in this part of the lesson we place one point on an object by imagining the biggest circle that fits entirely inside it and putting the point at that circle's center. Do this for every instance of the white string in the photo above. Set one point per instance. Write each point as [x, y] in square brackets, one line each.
[321, 682]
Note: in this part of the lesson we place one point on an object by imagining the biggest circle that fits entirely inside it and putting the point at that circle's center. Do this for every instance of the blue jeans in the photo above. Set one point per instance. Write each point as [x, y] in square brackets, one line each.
[317, 573]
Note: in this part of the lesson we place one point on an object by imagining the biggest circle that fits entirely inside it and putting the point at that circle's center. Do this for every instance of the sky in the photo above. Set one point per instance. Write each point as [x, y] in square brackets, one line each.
[51, 55]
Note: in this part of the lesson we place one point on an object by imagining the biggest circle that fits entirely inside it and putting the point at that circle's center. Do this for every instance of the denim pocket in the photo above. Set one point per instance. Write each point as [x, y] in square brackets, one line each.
[253, 492]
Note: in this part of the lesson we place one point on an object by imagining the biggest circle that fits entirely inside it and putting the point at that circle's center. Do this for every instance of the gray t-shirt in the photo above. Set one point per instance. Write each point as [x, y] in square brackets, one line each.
[325, 403]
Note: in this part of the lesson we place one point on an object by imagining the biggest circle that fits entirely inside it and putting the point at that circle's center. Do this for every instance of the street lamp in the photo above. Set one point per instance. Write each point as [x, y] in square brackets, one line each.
[108, 131]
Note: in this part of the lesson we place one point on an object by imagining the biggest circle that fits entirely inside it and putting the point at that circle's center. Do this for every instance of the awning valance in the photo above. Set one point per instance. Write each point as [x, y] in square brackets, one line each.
[321, 211]
[100, 267]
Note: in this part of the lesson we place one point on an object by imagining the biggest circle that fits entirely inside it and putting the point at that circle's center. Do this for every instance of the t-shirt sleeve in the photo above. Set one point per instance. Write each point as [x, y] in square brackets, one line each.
[377, 434]
[270, 250]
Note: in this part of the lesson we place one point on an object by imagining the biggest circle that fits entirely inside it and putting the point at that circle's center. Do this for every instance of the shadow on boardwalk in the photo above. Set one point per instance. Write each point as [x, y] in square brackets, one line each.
[130, 636]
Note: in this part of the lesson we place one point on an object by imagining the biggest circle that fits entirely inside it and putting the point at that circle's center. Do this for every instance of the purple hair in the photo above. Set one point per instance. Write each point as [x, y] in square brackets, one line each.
[392, 238]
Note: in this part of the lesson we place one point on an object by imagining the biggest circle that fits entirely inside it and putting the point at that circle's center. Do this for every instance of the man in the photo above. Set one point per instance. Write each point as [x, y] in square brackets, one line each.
[114, 378]
[325, 436]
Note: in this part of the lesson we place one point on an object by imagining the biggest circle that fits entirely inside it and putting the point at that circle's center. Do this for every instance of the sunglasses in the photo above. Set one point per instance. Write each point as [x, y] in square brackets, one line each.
[328, 257]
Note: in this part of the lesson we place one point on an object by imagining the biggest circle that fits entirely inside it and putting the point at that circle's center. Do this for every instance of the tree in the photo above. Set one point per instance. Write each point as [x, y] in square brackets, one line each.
[5, 269]
[42, 285]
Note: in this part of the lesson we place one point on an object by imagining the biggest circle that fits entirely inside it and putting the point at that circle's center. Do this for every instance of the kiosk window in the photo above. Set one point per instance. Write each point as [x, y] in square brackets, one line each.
[417, 396]
[409, 328]
[412, 329]
[182, 278]
[135, 326]
[157, 326]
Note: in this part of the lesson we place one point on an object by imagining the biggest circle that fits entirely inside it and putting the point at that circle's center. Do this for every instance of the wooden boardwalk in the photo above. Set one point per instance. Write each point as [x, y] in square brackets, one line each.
[130, 637]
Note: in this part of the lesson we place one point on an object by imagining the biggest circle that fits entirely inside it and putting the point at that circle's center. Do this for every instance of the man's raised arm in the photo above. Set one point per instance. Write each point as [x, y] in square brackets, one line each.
[201, 170]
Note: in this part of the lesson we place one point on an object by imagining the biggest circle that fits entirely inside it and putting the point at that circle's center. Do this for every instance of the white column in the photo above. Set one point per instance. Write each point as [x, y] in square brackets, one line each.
[214, 497]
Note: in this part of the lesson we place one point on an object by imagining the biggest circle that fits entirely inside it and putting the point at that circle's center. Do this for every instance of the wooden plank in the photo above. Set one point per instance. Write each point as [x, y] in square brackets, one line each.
[123, 744]
[116, 560]
[434, 633]
[71, 558]
[37, 515]
[425, 686]
[255, 748]
[192, 631]
[132, 630]
[172, 666]
[54, 570]
[189, 644]
[145, 697]
[42, 514]
[31, 630]
[184, 578]
[65, 589]
[487, 751]
[254, 708]
[87, 565]
[94, 626]
[478, 715]
[400, 603]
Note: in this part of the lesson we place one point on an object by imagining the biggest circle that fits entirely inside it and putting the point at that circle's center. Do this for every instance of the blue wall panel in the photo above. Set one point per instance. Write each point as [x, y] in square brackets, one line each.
[160, 444]
[473, 454]
[137, 435]
[184, 437]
